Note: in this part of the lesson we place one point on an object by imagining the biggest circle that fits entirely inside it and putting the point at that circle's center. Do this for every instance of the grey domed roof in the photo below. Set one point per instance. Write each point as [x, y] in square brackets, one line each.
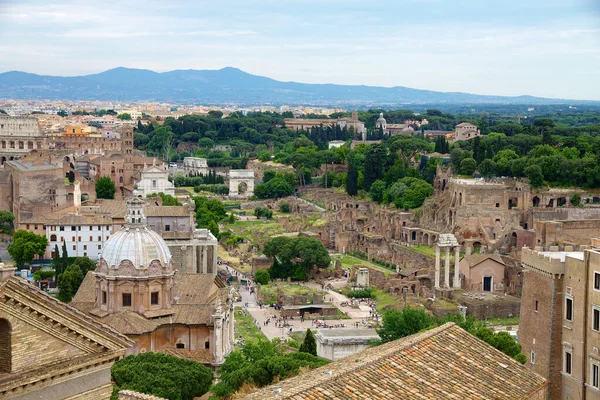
[135, 242]
[381, 119]
[139, 245]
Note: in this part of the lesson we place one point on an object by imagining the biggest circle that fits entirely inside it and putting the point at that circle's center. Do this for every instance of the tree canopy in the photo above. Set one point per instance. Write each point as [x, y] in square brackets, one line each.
[25, 246]
[105, 188]
[259, 364]
[161, 375]
[296, 256]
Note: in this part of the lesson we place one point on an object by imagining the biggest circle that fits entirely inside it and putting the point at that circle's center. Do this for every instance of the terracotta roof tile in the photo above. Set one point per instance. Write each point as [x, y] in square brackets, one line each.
[443, 363]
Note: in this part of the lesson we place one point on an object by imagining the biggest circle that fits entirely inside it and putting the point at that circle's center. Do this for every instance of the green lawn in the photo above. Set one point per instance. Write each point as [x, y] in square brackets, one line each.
[244, 326]
[384, 299]
[269, 291]
[349, 261]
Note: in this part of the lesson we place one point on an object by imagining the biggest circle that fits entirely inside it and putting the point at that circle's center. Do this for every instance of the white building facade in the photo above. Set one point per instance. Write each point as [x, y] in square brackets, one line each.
[83, 235]
[154, 180]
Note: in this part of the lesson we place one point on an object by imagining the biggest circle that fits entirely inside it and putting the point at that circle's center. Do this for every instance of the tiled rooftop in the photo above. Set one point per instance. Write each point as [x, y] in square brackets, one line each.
[443, 363]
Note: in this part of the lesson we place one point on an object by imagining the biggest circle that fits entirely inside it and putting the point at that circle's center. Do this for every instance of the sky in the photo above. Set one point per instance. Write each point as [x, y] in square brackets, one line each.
[548, 48]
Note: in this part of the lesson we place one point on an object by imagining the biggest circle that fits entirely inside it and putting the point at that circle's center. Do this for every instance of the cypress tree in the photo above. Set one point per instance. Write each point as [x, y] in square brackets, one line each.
[310, 344]
[352, 180]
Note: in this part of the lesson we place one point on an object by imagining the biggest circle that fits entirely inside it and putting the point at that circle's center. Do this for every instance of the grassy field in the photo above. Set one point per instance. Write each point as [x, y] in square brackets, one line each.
[244, 326]
[348, 261]
[269, 291]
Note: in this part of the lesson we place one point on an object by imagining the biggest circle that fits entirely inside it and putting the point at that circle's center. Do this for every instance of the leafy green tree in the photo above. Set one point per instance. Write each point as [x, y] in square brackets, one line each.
[275, 188]
[373, 169]
[268, 175]
[69, 282]
[535, 175]
[206, 142]
[396, 191]
[467, 166]
[25, 246]
[415, 194]
[262, 276]
[398, 324]
[105, 188]
[455, 157]
[377, 191]
[6, 221]
[309, 345]
[487, 168]
[259, 364]
[295, 257]
[124, 117]
[575, 199]
[161, 375]
[263, 212]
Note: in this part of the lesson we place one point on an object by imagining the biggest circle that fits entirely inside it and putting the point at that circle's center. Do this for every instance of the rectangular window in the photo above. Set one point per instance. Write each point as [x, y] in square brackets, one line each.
[73, 228]
[104, 297]
[536, 305]
[91, 238]
[154, 298]
[99, 247]
[167, 228]
[99, 238]
[61, 228]
[74, 247]
[79, 238]
[532, 358]
[73, 237]
[126, 299]
[594, 378]
[569, 308]
[596, 318]
[597, 280]
[85, 246]
[568, 362]
[27, 226]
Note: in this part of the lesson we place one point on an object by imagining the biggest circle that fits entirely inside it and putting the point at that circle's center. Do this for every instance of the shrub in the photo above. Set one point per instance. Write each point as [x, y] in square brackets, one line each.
[263, 212]
[366, 293]
[262, 276]
[284, 207]
[161, 375]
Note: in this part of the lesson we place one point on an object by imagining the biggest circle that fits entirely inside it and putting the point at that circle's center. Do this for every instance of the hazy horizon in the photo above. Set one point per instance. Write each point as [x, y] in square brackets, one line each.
[541, 48]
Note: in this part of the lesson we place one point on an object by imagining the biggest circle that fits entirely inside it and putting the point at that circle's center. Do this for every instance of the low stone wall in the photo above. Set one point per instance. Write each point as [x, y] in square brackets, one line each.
[501, 308]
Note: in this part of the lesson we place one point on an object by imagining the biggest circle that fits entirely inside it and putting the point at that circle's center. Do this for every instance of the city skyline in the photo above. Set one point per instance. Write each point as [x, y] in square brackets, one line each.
[546, 49]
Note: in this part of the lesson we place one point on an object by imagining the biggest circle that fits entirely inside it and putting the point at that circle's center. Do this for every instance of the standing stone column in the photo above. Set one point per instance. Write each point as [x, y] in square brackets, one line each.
[437, 267]
[218, 324]
[447, 268]
[456, 272]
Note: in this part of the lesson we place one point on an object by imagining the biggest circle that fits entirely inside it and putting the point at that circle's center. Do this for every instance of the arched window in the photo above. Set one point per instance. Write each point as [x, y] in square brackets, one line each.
[5, 347]
[53, 238]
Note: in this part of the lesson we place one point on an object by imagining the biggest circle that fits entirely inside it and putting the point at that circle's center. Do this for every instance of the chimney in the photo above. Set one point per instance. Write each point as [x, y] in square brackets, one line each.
[6, 271]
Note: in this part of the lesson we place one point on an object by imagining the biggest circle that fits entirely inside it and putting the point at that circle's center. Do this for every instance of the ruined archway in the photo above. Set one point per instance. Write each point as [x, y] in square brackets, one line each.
[561, 201]
[513, 202]
[477, 247]
[241, 179]
[536, 201]
[242, 188]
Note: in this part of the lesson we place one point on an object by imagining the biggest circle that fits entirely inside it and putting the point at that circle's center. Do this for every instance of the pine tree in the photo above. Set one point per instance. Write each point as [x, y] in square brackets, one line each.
[309, 345]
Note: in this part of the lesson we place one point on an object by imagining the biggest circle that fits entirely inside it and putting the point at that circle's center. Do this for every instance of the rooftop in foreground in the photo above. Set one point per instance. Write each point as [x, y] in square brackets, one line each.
[442, 363]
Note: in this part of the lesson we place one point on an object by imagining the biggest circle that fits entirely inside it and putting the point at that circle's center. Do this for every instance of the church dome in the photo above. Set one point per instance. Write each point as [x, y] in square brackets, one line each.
[135, 242]
[381, 122]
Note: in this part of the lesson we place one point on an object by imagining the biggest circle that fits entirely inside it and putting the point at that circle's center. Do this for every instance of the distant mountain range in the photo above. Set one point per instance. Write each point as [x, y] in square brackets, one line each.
[228, 85]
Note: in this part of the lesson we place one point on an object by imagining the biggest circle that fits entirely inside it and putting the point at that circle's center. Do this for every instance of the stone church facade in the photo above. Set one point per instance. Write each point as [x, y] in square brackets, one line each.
[137, 291]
